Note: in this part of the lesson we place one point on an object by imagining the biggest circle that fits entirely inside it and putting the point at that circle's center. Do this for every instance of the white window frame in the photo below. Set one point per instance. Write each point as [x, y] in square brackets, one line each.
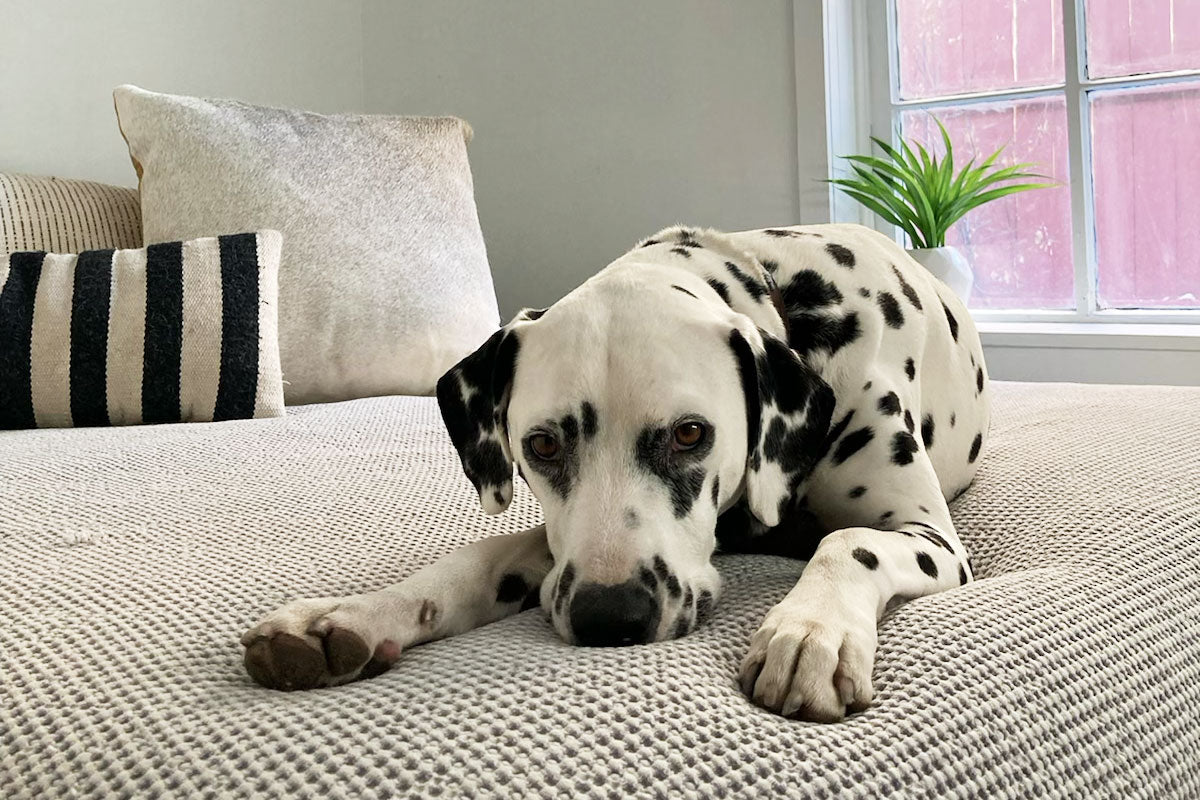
[863, 100]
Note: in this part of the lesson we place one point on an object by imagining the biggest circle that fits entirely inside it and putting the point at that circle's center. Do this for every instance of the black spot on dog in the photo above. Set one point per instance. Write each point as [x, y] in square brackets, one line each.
[716, 492]
[511, 589]
[975, 445]
[892, 314]
[927, 430]
[752, 287]
[858, 491]
[962, 576]
[903, 447]
[866, 558]
[810, 332]
[681, 289]
[646, 576]
[682, 625]
[907, 289]
[720, 288]
[704, 606]
[926, 564]
[953, 418]
[748, 376]
[790, 447]
[570, 428]
[533, 599]
[885, 516]
[853, 442]
[589, 420]
[951, 321]
[794, 386]
[978, 380]
[649, 242]
[779, 234]
[565, 580]
[769, 266]
[498, 496]
[632, 520]
[889, 403]
[908, 421]
[865, 292]
[841, 255]
[923, 509]
[488, 459]
[866, 386]
[808, 290]
[910, 368]
[836, 431]
[471, 423]
[660, 568]
[930, 534]
[561, 471]
[681, 472]
[691, 243]
[534, 314]
[673, 587]
[682, 251]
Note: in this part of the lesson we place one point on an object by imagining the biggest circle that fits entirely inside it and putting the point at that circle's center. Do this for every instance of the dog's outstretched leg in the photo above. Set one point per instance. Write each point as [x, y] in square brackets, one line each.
[814, 653]
[326, 641]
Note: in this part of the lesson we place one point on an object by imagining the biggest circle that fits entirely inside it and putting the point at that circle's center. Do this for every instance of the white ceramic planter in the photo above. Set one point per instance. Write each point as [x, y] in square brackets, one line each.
[949, 266]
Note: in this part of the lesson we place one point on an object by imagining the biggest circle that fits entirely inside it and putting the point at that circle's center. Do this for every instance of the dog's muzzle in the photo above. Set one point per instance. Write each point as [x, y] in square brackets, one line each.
[614, 615]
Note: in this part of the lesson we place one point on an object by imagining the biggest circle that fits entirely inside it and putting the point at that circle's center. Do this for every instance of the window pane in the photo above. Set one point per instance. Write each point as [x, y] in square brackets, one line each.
[1145, 163]
[1019, 246]
[958, 46]
[1126, 37]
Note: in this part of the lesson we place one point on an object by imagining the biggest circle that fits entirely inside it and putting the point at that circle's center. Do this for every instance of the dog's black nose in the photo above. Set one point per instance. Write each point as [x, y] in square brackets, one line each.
[613, 615]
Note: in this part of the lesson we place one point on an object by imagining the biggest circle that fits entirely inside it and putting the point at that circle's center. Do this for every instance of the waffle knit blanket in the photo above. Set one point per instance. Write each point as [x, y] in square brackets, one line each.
[132, 558]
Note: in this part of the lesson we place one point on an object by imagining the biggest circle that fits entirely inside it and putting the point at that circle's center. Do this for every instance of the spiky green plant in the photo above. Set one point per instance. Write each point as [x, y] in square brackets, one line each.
[922, 194]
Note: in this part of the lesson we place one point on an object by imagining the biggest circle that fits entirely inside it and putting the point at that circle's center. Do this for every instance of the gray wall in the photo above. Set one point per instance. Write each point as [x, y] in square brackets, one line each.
[597, 123]
[60, 60]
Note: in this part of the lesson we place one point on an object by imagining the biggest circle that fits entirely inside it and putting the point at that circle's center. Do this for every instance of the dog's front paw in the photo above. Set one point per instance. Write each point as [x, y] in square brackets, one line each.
[811, 660]
[307, 644]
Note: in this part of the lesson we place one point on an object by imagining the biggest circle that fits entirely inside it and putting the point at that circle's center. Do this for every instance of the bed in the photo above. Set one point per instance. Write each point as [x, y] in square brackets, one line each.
[133, 558]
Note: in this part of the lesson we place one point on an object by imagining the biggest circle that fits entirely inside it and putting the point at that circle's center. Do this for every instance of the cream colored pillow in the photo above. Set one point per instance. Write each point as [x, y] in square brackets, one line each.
[384, 281]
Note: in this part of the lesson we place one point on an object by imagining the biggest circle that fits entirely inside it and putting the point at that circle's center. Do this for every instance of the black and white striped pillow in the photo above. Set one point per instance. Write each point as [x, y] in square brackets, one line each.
[174, 332]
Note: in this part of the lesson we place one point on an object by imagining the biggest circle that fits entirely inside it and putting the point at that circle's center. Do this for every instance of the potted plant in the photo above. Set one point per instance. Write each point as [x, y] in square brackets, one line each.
[924, 196]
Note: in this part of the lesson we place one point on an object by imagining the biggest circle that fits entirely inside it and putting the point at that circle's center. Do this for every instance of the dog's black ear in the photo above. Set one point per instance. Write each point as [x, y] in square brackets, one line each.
[788, 409]
[473, 397]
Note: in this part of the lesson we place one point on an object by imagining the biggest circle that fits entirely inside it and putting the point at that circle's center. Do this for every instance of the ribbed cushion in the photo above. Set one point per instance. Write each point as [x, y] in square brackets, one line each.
[175, 332]
[59, 215]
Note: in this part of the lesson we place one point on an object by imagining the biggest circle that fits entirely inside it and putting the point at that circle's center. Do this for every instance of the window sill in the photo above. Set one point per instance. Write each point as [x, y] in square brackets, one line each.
[1090, 335]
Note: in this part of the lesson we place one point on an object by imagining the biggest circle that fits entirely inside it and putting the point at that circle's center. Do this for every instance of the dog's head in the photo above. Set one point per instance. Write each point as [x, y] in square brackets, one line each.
[637, 408]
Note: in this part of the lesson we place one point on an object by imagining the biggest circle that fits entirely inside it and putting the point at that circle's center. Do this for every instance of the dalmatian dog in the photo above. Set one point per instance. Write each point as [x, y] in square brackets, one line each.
[809, 390]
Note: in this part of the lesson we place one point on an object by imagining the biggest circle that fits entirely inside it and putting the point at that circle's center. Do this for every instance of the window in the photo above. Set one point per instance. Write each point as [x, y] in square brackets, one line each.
[1104, 96]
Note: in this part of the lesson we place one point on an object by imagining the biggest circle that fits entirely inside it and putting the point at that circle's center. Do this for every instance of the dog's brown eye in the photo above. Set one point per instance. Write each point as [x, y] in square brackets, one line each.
[544, 446]
[688, 435]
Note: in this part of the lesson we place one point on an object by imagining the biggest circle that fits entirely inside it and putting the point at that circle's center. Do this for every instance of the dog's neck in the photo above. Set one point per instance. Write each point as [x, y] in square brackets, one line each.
[740, 279]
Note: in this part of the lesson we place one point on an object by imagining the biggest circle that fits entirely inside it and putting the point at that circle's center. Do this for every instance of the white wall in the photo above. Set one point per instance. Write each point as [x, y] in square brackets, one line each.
[60, 60]
[596, 123]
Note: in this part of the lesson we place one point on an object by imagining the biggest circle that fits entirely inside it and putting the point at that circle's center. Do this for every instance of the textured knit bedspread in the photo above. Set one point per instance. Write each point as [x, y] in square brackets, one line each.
[132, 559]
